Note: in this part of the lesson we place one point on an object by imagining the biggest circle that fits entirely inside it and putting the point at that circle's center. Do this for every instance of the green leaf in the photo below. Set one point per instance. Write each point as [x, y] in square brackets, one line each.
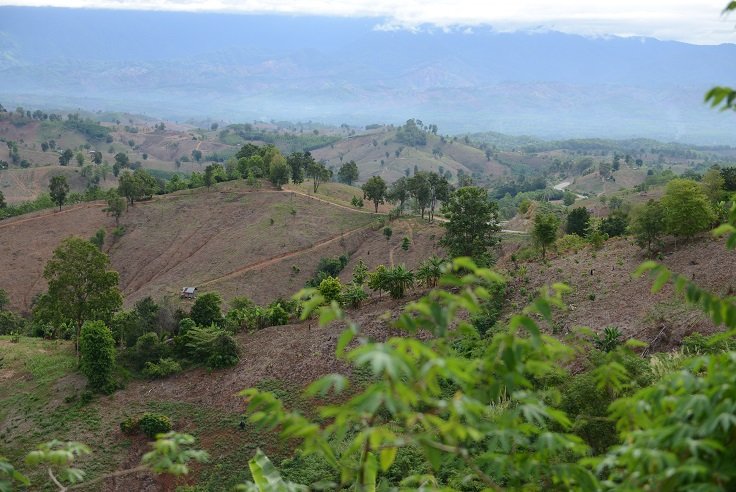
[370, 473]
[662, 278]
[387, 457]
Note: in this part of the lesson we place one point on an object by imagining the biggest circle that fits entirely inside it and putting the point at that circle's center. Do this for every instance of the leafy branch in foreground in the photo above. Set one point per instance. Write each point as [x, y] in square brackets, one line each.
[171, 453]
[482, 413]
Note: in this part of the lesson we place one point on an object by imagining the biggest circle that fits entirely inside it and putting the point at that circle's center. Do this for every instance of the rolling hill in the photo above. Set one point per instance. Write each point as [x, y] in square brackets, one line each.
[260, 243]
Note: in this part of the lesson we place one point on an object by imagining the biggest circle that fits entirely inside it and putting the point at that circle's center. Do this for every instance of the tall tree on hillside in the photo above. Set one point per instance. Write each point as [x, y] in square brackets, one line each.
[472, 224]
[279, 172]
[115, 206]
[713, 185]
[319, 174]
[80, 286]
[439, 190]
[209, 176]
[58, 189]
[298, 163]
[65, 157]
[647, 224]
[578, 221]
[421, 190]
[375, 190]
[398, 192]
[687, 210]
[348, 173]
[545, 230]
[97, 158]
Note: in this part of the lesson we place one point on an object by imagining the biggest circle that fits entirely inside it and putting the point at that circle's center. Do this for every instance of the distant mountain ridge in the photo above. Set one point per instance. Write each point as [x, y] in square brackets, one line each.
[243, 67]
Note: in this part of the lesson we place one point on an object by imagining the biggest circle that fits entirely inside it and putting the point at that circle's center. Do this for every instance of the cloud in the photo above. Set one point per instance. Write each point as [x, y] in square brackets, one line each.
[693, 21]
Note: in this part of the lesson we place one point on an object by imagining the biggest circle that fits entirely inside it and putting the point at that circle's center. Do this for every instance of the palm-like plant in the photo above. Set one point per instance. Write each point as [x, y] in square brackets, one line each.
[398, 280]
[429, 271]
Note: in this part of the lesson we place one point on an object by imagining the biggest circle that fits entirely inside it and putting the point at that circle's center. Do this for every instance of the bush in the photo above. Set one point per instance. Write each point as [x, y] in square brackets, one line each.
[207, 309]
[185, 325]
[164, 367]
[570, 242]
[152, 424]
[354, 295]
[148, 348]
[10, 323]
[211, 346]
[129, 426]
[328, 267]
[276, 315]
[608, 340]
[699, 344]
[330, 288]
[97, 360]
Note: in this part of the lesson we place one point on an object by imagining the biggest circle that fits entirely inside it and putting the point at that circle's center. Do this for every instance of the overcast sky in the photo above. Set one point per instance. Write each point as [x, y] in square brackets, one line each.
[693, 21]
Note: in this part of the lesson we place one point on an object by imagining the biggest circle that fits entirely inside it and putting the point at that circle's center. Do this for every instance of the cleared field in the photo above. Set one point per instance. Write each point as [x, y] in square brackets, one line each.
[189, 238]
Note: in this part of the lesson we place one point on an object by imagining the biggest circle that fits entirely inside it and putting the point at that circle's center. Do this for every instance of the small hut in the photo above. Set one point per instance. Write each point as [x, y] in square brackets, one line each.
[188, 292]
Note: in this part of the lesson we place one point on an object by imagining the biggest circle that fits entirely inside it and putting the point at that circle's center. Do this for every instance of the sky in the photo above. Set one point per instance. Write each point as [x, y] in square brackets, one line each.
[691, 21]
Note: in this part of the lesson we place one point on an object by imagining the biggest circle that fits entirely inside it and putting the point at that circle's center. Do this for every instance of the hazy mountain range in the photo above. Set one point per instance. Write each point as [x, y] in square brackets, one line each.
[339, 70]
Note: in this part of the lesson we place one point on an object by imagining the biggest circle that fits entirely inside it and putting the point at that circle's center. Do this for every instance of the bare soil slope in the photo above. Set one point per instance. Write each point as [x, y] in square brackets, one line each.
[604, 293]
[233, 240]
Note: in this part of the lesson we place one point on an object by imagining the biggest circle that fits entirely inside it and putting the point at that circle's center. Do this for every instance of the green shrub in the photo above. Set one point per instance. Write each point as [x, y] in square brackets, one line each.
[570, 242]
[129, 426]
[148, 348]
[276, 315]
[10, 323]
[152, 424]
[353, 295]
[608, 340]
[164, 367]
[207, 309]
[328, 267]
[699, 344]
[185, 325]
[211, 346]
[330, 288]
[97, 361]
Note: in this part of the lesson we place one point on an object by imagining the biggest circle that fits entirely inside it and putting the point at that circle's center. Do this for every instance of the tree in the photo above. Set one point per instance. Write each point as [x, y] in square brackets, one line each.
[578, 221]
[348, 173]
[387, 233]
[121, 160]
[472, 224]
[97, 158]
[3, 204]
[80, 158]
[65, 157]
[298, 163]
[197, 155]
[686, 208]
[439, 190]
[80, 286]
[58, 189]
[568, 198]
[375, 190]
[279, 172]
[713, 185]
[209, 176]
[97, 356]
[648, 224]
[421, 190]
[399, 192]
[115, 206]
[545, 230]
[319, 173]
[615, 224]
[207, 309]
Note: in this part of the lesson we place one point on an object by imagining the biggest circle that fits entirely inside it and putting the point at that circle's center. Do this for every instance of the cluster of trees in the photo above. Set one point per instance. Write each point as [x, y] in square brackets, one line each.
[686, 209]
[412, 133]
